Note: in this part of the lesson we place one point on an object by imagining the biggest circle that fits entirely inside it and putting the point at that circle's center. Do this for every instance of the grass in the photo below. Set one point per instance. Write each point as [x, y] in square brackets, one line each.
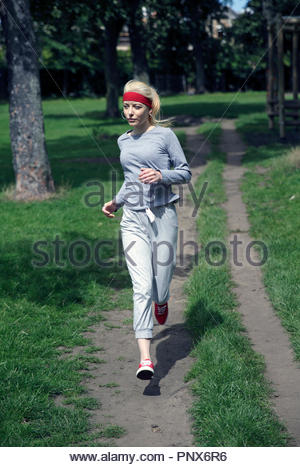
[231, 397]
[110, 431]
[109, 385]
[212, 132]
[271, 195]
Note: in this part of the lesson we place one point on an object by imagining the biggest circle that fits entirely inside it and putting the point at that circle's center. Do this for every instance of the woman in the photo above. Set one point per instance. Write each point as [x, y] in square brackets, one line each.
[149, 225]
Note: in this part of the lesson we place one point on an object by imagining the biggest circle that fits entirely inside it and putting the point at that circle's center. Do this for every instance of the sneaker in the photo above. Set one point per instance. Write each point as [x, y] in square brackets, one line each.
[145, 369]
[161, 312]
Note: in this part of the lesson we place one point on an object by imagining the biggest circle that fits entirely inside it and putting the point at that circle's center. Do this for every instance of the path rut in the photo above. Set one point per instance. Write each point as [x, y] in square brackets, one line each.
[264, 328]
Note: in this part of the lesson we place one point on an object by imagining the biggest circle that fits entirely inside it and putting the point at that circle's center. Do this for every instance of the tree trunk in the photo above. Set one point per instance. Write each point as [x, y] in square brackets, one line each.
[135, 26]
[65, 81]
[197, 38]
[111, 35]
[30, 160]
[200, 74]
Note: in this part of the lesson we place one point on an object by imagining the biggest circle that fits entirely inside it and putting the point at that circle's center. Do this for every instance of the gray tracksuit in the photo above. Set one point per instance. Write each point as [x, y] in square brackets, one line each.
[149, 225]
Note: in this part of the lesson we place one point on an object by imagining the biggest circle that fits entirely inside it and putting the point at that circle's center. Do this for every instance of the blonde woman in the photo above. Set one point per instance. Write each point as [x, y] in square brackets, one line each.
[149, 226]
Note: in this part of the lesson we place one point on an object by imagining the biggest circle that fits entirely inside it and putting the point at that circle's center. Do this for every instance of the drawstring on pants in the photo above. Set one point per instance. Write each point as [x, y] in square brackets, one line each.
[150, 215]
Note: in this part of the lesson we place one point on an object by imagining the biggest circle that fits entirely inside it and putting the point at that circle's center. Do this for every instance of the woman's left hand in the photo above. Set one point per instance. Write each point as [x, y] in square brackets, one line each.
[148, 175]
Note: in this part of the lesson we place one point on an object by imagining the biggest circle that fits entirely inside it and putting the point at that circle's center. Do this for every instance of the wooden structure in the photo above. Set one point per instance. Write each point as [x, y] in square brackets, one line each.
[287, 110]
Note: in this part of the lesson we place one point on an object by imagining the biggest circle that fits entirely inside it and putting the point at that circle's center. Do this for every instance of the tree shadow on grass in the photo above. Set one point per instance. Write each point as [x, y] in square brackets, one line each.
[256, 132]
[73, 172]
[216, 109]
[80, 174]
[75, 175]
[61, 281]
[98, 116]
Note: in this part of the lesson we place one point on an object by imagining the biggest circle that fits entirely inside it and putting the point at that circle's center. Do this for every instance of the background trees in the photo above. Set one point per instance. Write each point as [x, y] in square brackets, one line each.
[70, 48]
[170, 43]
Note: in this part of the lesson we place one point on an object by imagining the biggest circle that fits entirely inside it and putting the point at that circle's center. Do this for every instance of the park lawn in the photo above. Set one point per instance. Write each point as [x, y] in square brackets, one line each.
[35, 333]
[271, 192]
[231, 396]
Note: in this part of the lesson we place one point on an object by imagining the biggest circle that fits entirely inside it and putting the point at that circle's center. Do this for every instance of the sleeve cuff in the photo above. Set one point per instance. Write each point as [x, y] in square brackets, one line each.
[164, 176]
[118, 205]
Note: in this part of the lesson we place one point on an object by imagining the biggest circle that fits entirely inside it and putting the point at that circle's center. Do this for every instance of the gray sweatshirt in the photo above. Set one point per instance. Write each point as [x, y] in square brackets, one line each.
[158, 149]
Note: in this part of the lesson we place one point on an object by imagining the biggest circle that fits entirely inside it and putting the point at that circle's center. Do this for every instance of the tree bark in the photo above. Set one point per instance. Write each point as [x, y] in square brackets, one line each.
[135, 26]
[65, 81]
[112, 30]
[30, 160]
[200, 74]
[197, 37]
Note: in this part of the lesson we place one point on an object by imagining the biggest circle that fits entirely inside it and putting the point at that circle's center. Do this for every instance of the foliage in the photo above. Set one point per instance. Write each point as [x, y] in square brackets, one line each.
[71, 41]
[242, 51]
[66, 36]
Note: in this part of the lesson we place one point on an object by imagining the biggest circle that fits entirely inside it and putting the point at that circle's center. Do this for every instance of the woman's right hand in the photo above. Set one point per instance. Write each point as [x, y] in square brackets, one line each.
[109, 208]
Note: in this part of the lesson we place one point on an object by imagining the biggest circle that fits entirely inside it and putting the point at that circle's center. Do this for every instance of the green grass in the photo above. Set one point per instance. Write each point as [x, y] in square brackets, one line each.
[211, 131]
[111, 431]
[231, 397]
[109, 385]
[273, 206]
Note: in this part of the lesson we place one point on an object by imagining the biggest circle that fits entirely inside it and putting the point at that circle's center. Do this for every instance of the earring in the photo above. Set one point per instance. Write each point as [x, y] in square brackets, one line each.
[123, 116]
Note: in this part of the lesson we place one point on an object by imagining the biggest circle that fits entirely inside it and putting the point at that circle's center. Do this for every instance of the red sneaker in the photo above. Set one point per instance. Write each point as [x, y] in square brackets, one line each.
[161, 312]
[145, 369]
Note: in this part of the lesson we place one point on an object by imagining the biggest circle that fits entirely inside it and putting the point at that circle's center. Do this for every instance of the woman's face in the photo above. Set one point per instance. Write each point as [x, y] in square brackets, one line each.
[136, 113]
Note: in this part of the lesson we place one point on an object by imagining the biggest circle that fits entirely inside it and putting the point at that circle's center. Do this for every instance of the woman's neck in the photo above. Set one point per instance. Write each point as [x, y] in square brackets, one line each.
[141, 129]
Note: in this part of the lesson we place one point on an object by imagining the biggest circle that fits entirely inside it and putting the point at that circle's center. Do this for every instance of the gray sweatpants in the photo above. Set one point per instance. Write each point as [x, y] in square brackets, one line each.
[150, 253]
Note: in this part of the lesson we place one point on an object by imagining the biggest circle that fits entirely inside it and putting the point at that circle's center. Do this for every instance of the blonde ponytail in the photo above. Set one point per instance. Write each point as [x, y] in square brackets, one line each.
[148, 91]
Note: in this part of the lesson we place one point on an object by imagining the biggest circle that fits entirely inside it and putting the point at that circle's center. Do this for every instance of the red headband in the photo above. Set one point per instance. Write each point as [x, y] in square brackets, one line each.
[137, 97]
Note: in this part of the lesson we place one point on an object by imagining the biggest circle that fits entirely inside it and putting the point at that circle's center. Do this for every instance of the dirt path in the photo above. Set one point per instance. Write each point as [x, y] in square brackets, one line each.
[153, 413]
[263, 326]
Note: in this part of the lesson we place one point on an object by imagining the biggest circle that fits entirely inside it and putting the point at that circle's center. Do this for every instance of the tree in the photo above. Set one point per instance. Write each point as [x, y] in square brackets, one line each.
[111, 18]
[174, 25]
[283, 7]
[198, 35]
[242, 57]
[83, 36]
[137, 35]
[167, 39]
[113, 26]
[30, 159]
[245, 45]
